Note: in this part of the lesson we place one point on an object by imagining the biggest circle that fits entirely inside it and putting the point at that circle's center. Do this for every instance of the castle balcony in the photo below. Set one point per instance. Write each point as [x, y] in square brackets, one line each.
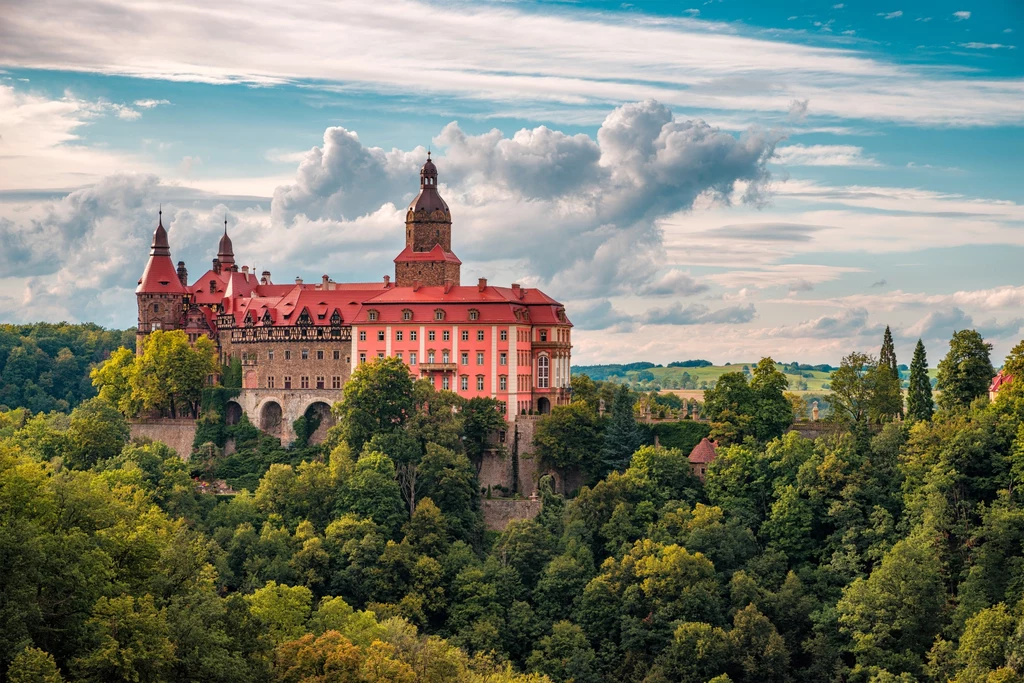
[439, 367]
[539, 345]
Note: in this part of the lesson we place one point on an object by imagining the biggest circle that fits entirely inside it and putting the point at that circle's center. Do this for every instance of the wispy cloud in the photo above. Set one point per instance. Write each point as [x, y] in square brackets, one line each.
[987, 46]
[890, 15]
[149, 104]
[499, 54]
[962, 15]
[824, 155]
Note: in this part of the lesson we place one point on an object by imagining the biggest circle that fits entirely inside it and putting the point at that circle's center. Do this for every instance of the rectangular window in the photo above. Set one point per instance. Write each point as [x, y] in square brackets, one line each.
[270, 355]
[287, 382]
[412, 358]
[362, 358]
[336, 382]
[503, 383]
[479, 357]
[445, 383]
[319, 355]
[479, 335]
[287, 355]
[380, 335]
[399, 335]
[446, 335]
[444, 357]
[465, 335]
[305, 354]
[412, 335]
[502, 358]
[362, 335]
[430, 356]
[431, 336]
[320, 383]
[399, 356]
[504, 335]
[304, 382]
[479, 382]
[464, 383]
[270, 382]
[380, 355]
[465, 357]
[337, 354]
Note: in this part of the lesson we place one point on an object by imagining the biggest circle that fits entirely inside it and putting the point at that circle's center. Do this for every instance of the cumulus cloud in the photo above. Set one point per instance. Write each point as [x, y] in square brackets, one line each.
[598, 199]
[941, 324]
[848, 323]
[602, 314]
[961, 15]
[673, 283]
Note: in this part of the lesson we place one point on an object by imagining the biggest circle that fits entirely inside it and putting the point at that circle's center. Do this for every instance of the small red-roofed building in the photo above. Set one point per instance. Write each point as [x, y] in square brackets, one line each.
[998, 382]
[702, 455]
[299, 343]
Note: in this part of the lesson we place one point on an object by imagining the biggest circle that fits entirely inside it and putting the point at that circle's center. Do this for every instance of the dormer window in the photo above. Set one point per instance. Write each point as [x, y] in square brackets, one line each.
[438, 314]
[213, 286]
[406, 314]
[372, 315]
[474, 314]
[336, 318]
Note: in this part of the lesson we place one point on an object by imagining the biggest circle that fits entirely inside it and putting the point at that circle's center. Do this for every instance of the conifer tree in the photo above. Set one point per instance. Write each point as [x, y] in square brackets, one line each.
[965, 372]
[888, 398]
[623, 435]
[919, 398]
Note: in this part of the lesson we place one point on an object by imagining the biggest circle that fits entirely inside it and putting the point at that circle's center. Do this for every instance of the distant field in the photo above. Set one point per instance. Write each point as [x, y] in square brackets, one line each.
[671, 378]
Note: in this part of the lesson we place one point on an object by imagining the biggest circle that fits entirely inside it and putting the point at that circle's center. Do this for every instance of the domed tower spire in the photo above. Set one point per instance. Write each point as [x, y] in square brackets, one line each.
[161, 294]
[225, 251]
[427, 257]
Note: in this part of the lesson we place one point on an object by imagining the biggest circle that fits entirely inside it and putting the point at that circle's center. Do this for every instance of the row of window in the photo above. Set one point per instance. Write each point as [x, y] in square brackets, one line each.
[446, 383]
[439, 314]
[320, 382]
[431, 335]
[445, 357]
[304, 354]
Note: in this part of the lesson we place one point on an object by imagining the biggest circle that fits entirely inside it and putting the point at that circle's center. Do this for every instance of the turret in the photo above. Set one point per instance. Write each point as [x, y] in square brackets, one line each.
[161, 293]
[427, 256]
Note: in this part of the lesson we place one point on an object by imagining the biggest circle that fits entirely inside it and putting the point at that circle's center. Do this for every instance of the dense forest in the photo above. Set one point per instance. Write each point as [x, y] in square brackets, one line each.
[887, 550]
[45, 366]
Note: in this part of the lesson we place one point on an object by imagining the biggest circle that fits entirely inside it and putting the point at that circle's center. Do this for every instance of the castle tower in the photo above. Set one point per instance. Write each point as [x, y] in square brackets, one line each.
[427, 258]
[225, 250]
[161, 295]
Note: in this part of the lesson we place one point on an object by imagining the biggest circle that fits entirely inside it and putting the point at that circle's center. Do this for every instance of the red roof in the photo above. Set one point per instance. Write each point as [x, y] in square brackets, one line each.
[999, 381]
[704, 452]
[435, 254]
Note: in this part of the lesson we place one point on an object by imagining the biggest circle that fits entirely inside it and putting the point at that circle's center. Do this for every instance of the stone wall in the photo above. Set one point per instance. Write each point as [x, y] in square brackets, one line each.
[178, 434]
[258, 405]
[495, 469]
[812, 430]
[499, 512]
[528, 461]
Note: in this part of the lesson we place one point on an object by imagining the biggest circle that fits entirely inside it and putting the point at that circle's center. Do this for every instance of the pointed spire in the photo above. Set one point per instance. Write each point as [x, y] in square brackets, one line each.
[160, 245]
[226, 251]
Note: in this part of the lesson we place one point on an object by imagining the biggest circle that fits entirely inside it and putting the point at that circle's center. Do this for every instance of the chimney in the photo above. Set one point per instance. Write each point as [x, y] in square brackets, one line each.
[182, 273]
[265, 280]
[387, 281]
[216, 265]
[298, 280]
[416, 285]
[448, 284]
[323, 281]
[481, 285]
[245, 269]
[516, 290]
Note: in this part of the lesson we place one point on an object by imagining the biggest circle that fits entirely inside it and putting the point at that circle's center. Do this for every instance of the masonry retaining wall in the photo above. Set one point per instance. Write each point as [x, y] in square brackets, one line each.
[499, 512]
[178, 434]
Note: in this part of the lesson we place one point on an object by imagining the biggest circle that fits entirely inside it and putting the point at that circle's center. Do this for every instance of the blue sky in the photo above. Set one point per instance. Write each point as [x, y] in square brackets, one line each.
[717, 179]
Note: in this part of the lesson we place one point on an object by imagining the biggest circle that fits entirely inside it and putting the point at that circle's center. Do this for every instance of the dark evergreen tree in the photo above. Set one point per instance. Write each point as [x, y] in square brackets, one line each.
[888, 390]
[965, 372]
[623, 436]
[919, 398]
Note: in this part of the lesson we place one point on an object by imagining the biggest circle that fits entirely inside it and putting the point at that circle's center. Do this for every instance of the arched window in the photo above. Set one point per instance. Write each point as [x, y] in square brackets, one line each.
[474, 314]
[372, 314]
[542, 372]
[406, 314]
[438, 314]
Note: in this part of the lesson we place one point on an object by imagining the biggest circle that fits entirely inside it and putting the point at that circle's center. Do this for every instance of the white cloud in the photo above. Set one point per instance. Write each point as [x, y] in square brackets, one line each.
[498, 53]
[839, 6]
[149, 104]
[962, 15]
[987, 46]
[823, 155]
[890, 15]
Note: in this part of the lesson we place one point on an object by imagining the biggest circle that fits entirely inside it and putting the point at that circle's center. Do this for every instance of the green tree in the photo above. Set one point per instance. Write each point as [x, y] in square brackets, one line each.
[131, 642]
[114, 380]
[773, 412]
[568, 437]
[966, 371]
[372, 492]
[565, 655]
[378, 398]
[282, 610]
[482, 419]
[919, 397]
[33, 665]
[170, 373]
[731, 405]
[97, 432]
[887, 403]
[623, 435]
[759, 649]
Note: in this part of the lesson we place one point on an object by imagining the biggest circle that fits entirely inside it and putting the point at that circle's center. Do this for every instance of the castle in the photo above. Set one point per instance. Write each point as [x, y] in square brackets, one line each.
[299, 343]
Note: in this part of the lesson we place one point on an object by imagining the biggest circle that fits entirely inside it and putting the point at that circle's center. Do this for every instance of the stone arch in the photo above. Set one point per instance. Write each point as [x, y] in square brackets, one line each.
[271, 417]
[543, 405]
[232, 413]
[321, 411]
